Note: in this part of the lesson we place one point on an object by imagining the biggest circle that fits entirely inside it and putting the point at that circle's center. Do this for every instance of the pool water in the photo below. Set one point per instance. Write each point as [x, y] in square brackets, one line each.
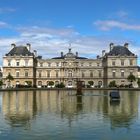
[60, 115]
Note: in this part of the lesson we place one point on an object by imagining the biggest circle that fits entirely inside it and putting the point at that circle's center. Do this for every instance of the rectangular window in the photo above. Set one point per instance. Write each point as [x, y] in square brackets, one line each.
[83, 74]
[40, 74]
[17, 63]
[17, 73]
[90, 64]
[26, 73]
[122, 73]
[9, 62]
[113, 63]
[26, 62]
[131, 62]
[122, 62]
[57, 74]
[131, 73]
[49, 64]
[100, 73]
[48, 74]
[113, 73]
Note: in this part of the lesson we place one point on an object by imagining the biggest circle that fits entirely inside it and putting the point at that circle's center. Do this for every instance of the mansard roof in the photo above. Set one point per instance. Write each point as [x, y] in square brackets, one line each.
[69, 55]
[20, 50]
[121, 51]
[74, 57]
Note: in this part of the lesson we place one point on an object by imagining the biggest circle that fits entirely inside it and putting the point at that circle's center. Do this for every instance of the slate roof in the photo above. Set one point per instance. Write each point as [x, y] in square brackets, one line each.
[74, 57]
[139, 68]
[69, 55]
[20, 50]
[120, 50]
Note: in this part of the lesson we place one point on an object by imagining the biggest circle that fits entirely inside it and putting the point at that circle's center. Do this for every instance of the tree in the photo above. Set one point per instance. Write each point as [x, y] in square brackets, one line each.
[1, 83]
[131, 78]
[90, 83]
[138, 82]
[51, 83]
[29, 83]
[61, 85]
[112, 84]
[9, 78]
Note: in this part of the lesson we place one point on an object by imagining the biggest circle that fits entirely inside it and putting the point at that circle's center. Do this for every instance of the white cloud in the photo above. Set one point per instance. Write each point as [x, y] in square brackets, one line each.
[49, 42]
[122, 14]
[35, 30]
[6, 10]
[106, 25]
[3, 24]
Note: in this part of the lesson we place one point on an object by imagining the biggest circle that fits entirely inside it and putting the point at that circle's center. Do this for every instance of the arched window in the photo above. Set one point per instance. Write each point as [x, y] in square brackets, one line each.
[99, 83]
[69, 83]
[56, 82]
[91, 73]
[40, 83]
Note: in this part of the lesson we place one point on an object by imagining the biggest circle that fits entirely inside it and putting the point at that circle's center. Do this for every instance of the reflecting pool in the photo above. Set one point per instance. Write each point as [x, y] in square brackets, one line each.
[60, 115]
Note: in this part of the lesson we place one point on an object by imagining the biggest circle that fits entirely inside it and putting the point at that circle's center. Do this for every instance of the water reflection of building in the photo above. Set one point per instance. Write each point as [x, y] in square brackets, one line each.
[17, 107]
[122, 115]
[21, 107]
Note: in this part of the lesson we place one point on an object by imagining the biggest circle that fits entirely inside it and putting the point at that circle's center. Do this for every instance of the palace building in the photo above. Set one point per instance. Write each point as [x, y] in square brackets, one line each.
[27, 67]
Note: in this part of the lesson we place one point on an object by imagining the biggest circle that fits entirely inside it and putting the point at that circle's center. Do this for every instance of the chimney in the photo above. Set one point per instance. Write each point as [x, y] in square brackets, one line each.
[126, 45]
[103, 53]
[111, 46]
[98, 56]
[62, 54]
[35, 53]
[76, 54]
[13, 45]
[28, 46]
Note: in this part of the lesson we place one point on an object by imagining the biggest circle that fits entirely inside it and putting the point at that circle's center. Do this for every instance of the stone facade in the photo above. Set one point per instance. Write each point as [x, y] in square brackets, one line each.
[25, 66]
[20, 63]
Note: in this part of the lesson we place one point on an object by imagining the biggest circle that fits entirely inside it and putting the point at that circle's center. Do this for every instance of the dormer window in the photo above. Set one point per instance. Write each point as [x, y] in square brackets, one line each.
[49, 64]
[41, 64]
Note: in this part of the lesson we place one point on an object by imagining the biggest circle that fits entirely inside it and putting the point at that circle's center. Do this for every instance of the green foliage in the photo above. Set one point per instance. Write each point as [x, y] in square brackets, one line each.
[90, 83]
[50, 83]
[138, 82]
[61, 85]
[112, 84]
[131, 78]
[29, 83]
[1, 83]
[9, 77]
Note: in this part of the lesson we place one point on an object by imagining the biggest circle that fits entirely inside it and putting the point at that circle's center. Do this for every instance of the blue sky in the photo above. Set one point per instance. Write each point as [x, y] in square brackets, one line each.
[51, 25]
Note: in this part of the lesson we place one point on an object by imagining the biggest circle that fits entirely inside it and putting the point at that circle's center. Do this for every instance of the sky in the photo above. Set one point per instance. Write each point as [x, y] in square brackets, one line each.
[52, 26]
